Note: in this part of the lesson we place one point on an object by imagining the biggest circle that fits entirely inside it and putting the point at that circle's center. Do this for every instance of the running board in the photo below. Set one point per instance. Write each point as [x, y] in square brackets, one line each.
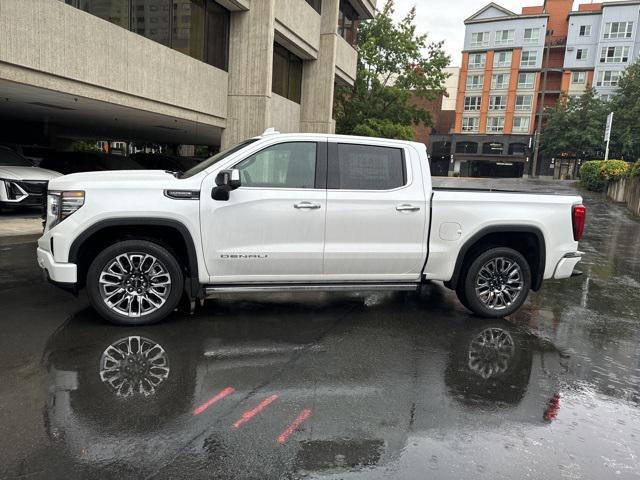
[212, 290]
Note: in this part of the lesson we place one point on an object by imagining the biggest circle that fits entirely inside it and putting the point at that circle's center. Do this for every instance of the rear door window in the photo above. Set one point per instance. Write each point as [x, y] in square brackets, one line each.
[366, 167]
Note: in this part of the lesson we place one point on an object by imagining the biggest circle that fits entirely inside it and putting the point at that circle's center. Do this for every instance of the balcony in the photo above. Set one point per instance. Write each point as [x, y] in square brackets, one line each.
[556, 42]
[346, 61]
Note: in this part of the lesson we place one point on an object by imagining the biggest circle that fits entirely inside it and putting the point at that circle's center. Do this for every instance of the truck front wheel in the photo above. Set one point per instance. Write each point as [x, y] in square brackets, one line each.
[134, 282]
[496, 283]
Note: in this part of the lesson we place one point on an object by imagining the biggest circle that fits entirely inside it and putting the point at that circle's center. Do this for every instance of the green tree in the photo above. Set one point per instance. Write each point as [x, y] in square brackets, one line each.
[575, 126]
[625, 134]
[394, 63]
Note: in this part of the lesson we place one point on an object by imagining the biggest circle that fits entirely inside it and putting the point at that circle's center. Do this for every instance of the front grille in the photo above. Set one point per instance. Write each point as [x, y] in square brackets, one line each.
[33, 187]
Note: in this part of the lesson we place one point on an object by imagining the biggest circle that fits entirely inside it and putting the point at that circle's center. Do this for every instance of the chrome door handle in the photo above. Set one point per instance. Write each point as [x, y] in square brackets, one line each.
[407, 208]
[306, 206]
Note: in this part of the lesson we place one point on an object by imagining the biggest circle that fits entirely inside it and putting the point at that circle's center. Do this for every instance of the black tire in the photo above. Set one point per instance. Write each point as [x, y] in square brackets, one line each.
[462, 296]
[474, 301]
[166, 260]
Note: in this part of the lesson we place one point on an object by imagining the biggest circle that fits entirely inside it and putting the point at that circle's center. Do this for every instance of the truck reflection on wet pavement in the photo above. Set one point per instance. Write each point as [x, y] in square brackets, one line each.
[401, 385]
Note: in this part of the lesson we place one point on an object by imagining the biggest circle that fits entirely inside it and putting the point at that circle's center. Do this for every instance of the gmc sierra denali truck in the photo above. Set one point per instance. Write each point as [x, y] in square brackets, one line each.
[300, 212]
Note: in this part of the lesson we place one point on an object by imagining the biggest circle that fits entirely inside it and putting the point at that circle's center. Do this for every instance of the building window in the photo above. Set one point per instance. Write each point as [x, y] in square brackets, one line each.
[498, 102]
[502, 59]
[495, 125]
[114, 11]
[531, 35]
[608, 78]
[493, 148]
[480, 39]
[287, 74]
[526, 80]
[505, 37]
[472, 103]
[579, 78]
[477, 60]
[582, 54]
[524, 103]
[316, 4]
[585, 30]
[520, 125]
[475, 82]
[517, 149]
[499, 81]
[441, 148]
[470, 124]
[614, 55]
[618, 30]
[466, 147]
[198, 28]
[529, 58]
[348, 23]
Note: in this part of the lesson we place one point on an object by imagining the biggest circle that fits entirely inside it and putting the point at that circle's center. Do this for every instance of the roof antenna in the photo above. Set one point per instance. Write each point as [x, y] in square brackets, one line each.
[270, 131]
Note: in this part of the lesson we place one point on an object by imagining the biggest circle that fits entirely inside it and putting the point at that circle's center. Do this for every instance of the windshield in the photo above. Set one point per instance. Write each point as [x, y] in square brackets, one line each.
[8, 158]
[216, 158]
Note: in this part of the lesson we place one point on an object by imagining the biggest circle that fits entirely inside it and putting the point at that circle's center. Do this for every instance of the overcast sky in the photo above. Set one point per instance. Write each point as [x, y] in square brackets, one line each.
[443, 19]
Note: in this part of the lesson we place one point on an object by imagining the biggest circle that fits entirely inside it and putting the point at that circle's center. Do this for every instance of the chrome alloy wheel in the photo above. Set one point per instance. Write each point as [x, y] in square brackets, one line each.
[134, 284]
[490, 352]
[499, 283]
[134, 365]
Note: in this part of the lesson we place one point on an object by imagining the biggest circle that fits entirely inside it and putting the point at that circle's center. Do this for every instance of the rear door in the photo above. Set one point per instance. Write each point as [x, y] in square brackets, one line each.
[376, 212]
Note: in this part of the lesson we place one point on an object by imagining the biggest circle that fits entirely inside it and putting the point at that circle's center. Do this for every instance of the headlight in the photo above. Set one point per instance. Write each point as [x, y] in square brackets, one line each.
[62, 204]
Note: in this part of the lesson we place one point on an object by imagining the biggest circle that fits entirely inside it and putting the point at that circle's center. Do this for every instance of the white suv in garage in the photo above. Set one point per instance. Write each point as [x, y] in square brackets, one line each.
[21, 183]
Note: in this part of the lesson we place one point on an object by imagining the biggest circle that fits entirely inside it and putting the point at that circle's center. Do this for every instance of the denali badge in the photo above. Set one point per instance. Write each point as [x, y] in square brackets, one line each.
[244, 256]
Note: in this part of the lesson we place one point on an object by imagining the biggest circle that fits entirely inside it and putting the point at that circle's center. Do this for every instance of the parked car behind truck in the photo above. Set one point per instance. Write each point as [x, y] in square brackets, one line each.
[22, 184]
[300, 212]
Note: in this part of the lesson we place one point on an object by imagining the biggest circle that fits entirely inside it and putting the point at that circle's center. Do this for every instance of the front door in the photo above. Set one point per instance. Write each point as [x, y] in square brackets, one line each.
[272, 227]
[376, 213]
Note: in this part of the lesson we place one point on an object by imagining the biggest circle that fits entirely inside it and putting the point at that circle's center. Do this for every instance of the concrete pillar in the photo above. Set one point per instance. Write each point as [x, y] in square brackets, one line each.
[318, 76]
[250, 72]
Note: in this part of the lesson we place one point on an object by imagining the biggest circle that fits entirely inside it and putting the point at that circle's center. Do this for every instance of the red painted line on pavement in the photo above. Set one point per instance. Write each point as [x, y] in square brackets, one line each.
[249, 414]
[304, 414]
[218, 396]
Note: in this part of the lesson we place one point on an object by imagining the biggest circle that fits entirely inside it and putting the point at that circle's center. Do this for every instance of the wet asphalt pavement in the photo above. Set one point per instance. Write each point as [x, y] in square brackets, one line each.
[333, 386]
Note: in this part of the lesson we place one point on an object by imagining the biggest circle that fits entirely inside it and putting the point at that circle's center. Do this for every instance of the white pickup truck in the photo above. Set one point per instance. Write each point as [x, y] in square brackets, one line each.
[300, 212]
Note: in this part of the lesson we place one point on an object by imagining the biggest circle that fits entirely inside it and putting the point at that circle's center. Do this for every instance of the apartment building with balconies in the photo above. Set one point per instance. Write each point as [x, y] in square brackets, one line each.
[602, 41]
[195, 72]
[512, 66]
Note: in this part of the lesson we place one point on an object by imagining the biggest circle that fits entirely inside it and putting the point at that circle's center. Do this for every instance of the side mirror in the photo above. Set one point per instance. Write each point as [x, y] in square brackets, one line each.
[226, 181]
[229, 178]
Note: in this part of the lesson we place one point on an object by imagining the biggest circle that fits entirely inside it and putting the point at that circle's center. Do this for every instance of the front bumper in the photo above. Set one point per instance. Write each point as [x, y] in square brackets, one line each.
[564, 268]
[57, 273]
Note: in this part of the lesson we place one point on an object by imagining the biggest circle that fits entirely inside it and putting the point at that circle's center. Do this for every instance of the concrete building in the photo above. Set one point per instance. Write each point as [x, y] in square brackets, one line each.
[184, 72]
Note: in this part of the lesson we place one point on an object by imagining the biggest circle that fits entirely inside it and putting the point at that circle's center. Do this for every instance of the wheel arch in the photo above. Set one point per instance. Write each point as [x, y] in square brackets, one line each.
[167, 232]
[512, 235]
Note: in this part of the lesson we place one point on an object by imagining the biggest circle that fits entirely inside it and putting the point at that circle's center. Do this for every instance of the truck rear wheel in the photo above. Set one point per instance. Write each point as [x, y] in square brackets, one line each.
[496, 283]
[135, 282]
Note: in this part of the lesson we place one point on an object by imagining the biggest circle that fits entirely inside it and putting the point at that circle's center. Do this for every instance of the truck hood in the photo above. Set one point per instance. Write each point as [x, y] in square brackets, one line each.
[27, 173]
[140, 178]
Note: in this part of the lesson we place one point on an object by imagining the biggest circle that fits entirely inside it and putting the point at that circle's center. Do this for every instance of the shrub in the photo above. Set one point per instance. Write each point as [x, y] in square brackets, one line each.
[590, 175]
[635, 169]
[613, 170]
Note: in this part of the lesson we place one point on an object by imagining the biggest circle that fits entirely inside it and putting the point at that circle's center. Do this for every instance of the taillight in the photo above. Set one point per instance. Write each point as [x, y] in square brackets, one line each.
[578, 217]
